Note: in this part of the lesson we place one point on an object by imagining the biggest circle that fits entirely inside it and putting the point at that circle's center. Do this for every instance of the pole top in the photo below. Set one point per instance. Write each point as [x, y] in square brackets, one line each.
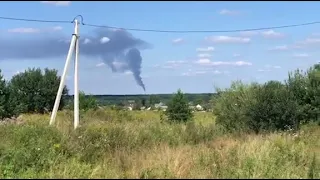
[75, 20]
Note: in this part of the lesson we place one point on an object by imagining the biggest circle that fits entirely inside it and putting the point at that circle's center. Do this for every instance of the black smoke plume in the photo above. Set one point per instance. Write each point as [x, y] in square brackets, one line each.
[117, 48]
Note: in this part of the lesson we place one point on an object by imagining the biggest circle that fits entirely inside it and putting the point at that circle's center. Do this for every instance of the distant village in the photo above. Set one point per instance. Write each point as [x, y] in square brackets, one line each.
[131, 105]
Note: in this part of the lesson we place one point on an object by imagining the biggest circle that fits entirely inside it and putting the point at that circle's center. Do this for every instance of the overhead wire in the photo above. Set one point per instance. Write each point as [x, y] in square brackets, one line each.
[204, 31]
[34, 20]
[159, 30]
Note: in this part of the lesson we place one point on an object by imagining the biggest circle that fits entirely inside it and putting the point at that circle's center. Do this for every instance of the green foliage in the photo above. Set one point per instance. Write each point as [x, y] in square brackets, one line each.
[257, 108]
[4, 99]
[87, 102]
[275, 109]
[305, 87]
[153, 99]
[28, 147]
[231, 106]
[178, 108]
[34, 91]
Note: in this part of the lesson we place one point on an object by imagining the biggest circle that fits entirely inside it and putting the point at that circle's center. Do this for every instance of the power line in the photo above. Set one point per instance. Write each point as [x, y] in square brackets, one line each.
[34, 20]
[205, 31]
[162, 31]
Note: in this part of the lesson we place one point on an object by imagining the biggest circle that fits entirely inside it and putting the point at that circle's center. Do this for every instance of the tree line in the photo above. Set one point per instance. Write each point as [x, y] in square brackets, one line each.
[254, 107]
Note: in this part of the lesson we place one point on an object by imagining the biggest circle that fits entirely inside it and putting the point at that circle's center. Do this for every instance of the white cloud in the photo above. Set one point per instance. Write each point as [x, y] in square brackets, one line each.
[311, 41]
[100, 64]
[228, 39]
[301, 55]
[186, 74]
[178, 41]
[86, 41]
[173, 64]
[194, 73]
[208, 49]
[169, 66]
[128, 73]
[200, 72]
[241, 63]
[57, 3]
[203, 61]
[217, 72]
[24, 30]
[119, 65]
[229, 12]
[57, 28]
[204, 55]
[272, 34]
[315, 34]
[236, 55]
[34, 30]
[269, 68]
[207, 62]
[264, 70]
[104, 40]
[17, 72]
[280, 48]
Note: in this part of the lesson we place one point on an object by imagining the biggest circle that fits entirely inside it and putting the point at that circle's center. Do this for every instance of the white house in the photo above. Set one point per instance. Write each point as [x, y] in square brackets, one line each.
[199, 108]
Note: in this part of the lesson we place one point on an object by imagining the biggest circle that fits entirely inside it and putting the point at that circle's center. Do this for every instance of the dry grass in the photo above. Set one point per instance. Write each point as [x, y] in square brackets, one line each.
[113, 144]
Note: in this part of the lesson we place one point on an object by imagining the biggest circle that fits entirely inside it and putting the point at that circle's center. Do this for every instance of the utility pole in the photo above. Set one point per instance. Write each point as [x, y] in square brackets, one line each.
[76, 78]
[74, 45]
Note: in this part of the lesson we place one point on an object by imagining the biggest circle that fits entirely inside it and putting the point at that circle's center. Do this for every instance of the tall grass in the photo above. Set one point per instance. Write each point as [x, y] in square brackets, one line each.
[119, 144]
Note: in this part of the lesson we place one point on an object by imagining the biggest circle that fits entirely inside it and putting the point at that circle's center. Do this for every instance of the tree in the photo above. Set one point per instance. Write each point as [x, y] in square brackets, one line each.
[143, 102]
[4, 97]
[178, 109]
[154, 99]
[34, 91]
[199, 100]
[305, 87]
[87, 102]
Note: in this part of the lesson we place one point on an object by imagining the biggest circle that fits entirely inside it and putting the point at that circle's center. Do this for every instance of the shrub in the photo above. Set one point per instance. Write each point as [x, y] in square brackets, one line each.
[86, 102]
[275, 109]
[231, 105]
[32, 91]
[257, 108]
[4, 97]
[178, 108]
[305, 87]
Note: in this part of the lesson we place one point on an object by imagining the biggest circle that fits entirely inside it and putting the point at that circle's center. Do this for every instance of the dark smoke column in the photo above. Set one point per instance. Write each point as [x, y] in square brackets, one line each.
[134, 61]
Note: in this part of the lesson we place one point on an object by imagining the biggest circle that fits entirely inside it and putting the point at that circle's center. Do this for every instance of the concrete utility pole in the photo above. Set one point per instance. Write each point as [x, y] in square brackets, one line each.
[74, 46]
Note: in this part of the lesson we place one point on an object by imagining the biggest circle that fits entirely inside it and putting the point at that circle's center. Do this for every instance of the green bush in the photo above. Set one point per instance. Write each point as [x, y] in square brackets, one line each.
[86, 102]
[4, 99]
[306, 89]
[275, 109]
[178, 108]
[257, 108]
[232, 104]
[34, 91]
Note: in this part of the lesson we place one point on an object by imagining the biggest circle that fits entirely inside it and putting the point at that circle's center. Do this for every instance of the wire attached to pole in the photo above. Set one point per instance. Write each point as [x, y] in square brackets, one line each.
[159, 30]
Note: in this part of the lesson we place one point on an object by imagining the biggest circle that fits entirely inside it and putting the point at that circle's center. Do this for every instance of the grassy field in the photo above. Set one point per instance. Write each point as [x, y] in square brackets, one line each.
[112, 144]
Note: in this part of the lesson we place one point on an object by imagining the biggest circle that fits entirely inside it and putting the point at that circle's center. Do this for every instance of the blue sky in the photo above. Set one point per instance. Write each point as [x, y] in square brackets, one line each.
[194, 62]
